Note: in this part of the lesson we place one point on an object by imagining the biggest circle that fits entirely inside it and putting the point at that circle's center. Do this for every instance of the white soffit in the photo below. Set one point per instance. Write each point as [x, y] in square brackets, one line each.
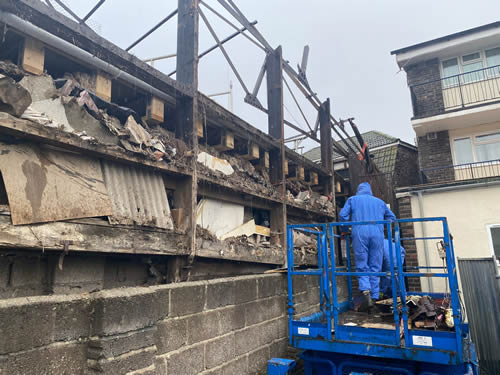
[451, 48]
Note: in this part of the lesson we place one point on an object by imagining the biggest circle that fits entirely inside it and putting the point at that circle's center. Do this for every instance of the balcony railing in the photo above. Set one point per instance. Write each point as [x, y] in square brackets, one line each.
[455, 92]
[461, 172]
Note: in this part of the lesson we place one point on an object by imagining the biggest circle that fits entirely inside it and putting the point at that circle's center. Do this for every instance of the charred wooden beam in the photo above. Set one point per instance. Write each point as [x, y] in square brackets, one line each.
[297, 173]
[187, 106]
[313, 178]
[226, 141]
[326, 145]
[274, 73]
[90, 235]
[251, 151]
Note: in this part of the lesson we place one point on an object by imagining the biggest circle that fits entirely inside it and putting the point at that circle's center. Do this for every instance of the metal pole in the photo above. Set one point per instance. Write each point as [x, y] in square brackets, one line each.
[224, 52]
[223, 41]
[297, 103]
[49, 4]
[151, 30]
[68, 9]
[89, 14]
[230, 24]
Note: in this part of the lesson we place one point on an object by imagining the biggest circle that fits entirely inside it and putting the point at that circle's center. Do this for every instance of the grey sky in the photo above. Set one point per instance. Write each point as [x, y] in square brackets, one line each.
[350, 43]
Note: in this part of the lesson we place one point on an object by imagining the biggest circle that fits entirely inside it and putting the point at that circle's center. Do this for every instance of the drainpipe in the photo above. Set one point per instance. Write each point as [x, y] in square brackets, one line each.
[26, 28]
[426, 248]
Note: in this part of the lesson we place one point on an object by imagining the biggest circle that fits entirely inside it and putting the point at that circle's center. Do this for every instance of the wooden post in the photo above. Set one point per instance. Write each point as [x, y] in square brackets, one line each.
[155, 110]
[274, 73]
[326, 146]
[33, 56]
[187, 106]
[103, 86]
[226, 141]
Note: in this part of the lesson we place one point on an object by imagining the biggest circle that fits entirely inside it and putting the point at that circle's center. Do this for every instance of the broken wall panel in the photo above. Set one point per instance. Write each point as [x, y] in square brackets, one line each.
[219, 217]
[138, 196]
[45, 185]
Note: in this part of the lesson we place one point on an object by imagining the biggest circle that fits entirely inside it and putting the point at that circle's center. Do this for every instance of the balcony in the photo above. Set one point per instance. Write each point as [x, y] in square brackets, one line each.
[461, 172]
[456, 92]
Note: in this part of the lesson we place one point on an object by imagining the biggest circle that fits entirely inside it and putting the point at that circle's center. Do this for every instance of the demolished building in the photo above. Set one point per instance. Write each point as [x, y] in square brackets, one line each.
[88, 155]
[115, 175]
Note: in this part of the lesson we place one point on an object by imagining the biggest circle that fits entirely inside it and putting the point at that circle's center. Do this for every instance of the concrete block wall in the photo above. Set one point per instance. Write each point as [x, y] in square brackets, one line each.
[224, 326]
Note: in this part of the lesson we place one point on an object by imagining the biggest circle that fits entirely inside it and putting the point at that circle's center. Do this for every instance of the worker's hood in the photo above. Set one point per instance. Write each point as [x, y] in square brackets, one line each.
[364, 188]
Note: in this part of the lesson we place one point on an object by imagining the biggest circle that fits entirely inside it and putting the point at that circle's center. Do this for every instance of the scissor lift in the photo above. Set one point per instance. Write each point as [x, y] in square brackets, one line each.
[331, 347]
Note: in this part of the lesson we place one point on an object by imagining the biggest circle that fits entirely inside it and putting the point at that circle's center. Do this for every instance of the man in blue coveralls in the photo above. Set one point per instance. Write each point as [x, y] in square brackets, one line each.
[385, 281]
[367, 240]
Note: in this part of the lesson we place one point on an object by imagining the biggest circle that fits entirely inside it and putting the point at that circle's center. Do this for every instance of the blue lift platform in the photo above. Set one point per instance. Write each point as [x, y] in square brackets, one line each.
[331, 347]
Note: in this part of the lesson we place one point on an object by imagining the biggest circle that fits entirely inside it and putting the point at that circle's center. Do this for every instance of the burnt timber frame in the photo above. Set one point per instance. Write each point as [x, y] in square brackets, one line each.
[274, 69]
[188, 101]
[187, 106]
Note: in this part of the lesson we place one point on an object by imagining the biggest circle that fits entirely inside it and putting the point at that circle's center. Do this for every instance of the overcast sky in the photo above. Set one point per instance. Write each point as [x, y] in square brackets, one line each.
[350, 43]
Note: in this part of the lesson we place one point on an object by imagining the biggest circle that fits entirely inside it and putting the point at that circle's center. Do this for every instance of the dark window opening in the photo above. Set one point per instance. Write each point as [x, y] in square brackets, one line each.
[3, 192]
[130, 97]
[10, 46]
[58, 65]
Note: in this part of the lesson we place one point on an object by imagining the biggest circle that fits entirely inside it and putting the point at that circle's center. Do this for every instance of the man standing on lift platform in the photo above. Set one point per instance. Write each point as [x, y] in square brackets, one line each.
[367, 240]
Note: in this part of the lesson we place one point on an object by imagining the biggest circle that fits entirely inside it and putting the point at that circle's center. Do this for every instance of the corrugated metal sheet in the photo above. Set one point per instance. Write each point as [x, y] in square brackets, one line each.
[138, 196]
[481, 285]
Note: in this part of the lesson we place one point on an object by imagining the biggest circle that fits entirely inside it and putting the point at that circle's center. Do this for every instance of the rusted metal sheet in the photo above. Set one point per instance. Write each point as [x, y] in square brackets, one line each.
[138, 196]
[46, 185]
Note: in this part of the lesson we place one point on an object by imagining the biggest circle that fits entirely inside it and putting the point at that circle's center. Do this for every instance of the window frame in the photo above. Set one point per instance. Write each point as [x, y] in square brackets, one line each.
[472, 137]
[490, 239]
[460, 62]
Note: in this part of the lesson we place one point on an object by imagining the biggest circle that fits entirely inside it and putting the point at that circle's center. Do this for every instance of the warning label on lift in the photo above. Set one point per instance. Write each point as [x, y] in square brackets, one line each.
[422, 340]
[304, 331]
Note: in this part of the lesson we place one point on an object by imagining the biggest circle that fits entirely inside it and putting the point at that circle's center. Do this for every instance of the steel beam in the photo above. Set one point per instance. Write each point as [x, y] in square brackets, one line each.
[92, 11]
[68, 9]
[150, 31]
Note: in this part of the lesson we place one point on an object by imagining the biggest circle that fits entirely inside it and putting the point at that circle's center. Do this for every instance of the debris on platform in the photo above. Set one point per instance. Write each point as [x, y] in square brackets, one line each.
[424, 312]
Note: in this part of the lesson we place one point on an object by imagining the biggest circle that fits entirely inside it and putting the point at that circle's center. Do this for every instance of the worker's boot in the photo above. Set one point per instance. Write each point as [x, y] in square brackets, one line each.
[366, 302]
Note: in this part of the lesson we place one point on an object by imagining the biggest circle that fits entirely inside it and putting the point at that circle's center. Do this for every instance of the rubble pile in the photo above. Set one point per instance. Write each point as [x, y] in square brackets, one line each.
[70, 105]
[245, 174]
[311, 200]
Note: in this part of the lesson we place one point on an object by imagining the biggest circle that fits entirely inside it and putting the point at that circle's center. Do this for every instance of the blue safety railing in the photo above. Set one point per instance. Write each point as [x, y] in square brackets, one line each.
[322, 330]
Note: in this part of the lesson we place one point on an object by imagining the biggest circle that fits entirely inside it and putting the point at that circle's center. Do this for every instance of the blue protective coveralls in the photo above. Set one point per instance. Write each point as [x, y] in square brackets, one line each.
[367, 240]
[385, 282]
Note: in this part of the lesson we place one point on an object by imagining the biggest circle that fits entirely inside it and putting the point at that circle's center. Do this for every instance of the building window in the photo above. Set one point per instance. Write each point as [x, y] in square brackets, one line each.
[450, 69]
[493, 60]
[471, 66]
[488, 147]
[494, 232]
[463, 151]
[478, 148]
